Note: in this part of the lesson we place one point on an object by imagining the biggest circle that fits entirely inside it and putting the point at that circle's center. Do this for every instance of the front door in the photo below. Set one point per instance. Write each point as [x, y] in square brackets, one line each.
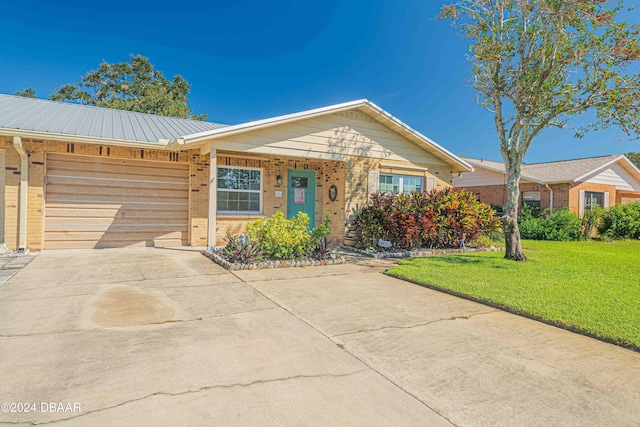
[302, 194]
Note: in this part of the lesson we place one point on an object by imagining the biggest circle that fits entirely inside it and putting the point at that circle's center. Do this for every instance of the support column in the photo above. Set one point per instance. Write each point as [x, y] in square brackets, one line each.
[3, 246]
[211, 232]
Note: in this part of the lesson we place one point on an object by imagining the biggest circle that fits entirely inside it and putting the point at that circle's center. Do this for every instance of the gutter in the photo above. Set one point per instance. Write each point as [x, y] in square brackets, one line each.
[24, 194]
[32, 134]
[550, 198]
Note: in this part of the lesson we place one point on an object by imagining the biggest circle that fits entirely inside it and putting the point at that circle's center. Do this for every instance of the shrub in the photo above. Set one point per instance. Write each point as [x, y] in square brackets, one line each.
[240, 251]
[590, 222]
[369, 224]
[282, 238]
[561, 225]
[435, 219]
[621, 221]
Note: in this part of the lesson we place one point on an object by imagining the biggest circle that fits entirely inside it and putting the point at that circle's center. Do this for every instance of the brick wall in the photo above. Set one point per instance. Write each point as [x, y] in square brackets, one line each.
[350, 178]
[564, 195]
[574, 193]
[328, 173]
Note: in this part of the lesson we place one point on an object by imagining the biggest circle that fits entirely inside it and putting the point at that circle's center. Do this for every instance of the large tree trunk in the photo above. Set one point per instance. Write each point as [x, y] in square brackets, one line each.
[513, 247]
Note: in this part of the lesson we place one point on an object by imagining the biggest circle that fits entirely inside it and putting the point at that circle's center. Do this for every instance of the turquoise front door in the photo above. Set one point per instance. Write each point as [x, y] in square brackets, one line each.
[302, 194]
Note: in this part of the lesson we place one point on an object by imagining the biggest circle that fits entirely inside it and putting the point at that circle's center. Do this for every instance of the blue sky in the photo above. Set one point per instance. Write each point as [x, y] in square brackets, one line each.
[248, 60]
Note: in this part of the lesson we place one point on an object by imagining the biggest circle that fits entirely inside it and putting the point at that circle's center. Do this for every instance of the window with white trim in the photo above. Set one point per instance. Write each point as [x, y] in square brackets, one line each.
[391, 183]
[531, 199]
[239, 190]
[592, 200]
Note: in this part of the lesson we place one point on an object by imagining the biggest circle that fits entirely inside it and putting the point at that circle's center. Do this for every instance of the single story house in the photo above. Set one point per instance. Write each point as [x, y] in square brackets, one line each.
[79, 176]
[579, 184]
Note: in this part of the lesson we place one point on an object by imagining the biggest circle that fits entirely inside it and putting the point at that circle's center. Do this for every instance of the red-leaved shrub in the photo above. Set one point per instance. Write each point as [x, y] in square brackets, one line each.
[440, 218]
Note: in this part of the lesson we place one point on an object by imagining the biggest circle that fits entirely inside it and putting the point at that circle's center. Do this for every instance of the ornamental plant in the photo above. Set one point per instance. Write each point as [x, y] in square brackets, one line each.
[440, 218]
[282, 238]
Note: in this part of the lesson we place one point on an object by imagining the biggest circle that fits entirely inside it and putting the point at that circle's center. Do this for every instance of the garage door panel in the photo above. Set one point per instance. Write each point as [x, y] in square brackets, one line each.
[57, 163]
[127, 207]
[88, 175]
[97, 202]
[141, 194]
[116, 183]
[118, 244]
[63, 214]
[149, 201]
[156, 229]
[97, 236]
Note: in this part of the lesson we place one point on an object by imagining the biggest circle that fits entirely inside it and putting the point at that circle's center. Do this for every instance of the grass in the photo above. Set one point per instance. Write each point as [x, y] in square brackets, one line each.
[589, 287]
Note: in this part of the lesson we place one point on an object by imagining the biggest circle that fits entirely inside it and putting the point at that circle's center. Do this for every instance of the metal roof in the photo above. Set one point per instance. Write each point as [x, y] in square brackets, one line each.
[560, 171]
[40, 115]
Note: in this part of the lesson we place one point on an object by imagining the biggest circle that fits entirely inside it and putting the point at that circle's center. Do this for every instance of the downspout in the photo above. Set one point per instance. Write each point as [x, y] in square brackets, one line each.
[24, 193]
[550, 198]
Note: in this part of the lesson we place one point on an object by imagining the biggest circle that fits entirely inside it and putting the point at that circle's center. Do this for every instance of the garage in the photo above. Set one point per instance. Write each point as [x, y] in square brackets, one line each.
[97, 202]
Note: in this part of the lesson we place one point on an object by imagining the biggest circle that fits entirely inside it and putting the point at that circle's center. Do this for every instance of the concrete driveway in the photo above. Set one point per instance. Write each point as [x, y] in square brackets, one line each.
[165, 337]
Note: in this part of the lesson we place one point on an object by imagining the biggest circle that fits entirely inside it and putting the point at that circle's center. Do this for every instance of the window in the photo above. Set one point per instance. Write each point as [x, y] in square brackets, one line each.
[531, 199]
[239, 190]
[593, 200]
[400, 183]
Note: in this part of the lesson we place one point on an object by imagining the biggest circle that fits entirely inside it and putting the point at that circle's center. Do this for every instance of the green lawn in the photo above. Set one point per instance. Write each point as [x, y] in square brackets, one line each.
[593, 287]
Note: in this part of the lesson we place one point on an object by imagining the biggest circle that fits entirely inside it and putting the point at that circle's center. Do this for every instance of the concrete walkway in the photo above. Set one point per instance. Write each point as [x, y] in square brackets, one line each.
[165, 337]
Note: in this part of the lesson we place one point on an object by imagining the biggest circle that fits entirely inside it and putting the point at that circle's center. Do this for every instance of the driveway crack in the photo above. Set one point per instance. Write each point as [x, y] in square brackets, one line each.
[198, 390]
[417, 324]
[82, 331]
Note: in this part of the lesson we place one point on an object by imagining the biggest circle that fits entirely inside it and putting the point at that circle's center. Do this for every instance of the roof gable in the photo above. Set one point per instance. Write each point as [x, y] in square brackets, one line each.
[561, 171]
[364, 106]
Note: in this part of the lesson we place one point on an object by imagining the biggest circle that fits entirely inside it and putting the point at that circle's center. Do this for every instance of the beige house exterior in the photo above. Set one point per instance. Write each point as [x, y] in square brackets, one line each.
[86, 177]
[578, 184]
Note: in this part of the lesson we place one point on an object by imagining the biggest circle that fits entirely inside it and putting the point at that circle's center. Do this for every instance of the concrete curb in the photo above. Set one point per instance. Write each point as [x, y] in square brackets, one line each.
[419, 253]
[272, 263]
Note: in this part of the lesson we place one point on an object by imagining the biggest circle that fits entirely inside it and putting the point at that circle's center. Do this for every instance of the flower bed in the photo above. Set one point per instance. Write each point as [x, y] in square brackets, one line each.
[264, 264]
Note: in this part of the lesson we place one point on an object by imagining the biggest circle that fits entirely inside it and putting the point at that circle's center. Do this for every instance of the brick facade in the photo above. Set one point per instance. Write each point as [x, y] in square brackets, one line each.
[564, 194]
[350, 177]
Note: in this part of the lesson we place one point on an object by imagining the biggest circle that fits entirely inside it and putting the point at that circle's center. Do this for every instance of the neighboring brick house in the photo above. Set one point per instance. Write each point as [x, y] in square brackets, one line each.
[78, 176]
[578, 184]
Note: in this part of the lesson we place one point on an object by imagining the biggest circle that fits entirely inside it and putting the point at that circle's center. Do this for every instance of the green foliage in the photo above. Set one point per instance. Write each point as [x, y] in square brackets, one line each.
[239, 251]
[27, 93]
[435, 219]
[590, 222]
[538, 64]
[561, 225]
[621, 221]
[131, 86]
[370, 225]
[634, 157]
[282, 238]
[590, 286]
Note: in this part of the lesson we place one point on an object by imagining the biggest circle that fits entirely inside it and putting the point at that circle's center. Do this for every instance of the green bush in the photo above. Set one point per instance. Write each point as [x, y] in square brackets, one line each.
[561, 225]
[281, 238]
[621, 221]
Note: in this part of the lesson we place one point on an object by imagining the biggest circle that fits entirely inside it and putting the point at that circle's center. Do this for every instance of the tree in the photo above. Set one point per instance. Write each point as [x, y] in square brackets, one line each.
[131, 86]
[27, 93]
[538, 63]
[634, 157]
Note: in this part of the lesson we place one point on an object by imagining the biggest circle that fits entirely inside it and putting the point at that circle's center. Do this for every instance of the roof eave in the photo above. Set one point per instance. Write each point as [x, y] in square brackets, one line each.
[528, 178]
[80, 138]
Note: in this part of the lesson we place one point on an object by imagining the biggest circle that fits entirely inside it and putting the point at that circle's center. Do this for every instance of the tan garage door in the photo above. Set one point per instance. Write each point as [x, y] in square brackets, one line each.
[93, 202]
